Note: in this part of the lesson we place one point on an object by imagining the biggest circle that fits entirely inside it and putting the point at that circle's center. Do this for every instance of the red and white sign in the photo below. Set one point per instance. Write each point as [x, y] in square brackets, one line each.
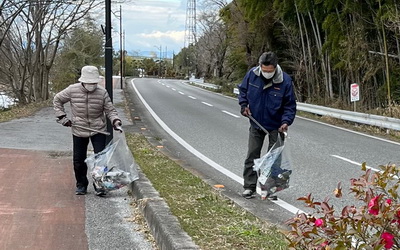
[354, 92]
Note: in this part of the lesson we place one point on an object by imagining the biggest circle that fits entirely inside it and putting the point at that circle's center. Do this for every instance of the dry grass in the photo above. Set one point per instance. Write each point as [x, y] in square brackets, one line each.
[22, 110]
[138, 218]
[212, 221]
[392, 111]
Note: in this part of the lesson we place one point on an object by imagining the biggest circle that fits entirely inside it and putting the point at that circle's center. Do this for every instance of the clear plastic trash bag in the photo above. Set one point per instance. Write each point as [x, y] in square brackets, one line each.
[112, 168]
[274, 168]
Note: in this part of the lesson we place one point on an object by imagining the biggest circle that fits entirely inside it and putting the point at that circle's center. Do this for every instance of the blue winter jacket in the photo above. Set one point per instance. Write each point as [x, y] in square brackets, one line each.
[271, 105]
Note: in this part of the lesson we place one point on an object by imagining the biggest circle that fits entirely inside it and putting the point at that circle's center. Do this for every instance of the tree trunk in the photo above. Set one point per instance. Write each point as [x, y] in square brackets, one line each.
[305, 61]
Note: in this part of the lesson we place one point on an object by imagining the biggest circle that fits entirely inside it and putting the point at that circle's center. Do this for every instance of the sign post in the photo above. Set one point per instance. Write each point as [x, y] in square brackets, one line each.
[354, 94]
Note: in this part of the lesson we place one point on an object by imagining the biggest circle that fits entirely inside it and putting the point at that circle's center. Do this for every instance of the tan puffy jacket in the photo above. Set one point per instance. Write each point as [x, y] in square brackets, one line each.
[89, 109]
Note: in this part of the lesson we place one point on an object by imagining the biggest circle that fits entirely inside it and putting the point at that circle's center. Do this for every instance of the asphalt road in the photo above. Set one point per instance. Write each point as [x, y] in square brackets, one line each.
[214, 135]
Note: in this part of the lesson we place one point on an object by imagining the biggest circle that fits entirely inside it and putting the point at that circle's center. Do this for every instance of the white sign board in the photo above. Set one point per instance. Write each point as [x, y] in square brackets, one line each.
[354, 92]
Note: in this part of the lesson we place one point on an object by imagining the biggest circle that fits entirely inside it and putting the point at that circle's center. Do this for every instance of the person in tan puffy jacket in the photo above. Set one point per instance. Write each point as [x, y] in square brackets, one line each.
[90, 105]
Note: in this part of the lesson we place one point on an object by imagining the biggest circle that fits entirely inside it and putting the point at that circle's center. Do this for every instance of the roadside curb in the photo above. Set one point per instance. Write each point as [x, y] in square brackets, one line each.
[164, 226]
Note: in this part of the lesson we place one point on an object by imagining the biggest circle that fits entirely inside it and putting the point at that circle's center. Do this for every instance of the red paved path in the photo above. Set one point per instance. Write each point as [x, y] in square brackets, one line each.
[38, 207]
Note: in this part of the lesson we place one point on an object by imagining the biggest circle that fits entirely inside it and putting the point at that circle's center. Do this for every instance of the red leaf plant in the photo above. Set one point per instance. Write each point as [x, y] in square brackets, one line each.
[375, 224]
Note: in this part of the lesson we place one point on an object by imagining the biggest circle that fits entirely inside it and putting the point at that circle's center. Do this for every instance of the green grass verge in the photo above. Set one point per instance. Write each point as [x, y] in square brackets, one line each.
[212, 221]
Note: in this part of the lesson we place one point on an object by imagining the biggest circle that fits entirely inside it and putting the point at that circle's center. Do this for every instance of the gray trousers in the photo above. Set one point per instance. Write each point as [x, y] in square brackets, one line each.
[256, 142]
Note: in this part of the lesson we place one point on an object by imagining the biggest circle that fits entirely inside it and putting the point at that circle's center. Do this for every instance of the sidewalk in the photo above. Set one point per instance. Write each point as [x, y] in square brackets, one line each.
[38, 205]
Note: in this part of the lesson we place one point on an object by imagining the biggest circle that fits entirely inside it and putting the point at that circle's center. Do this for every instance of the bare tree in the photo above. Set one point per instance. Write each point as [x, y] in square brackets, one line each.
[213, 42]
[31, 40]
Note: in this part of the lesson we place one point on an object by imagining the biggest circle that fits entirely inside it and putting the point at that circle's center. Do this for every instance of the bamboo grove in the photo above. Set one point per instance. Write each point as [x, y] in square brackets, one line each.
[325, 45]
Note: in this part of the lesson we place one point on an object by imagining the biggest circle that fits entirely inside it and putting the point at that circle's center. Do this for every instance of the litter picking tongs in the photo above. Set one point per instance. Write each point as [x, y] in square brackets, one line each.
[260, 126]
[89, 129]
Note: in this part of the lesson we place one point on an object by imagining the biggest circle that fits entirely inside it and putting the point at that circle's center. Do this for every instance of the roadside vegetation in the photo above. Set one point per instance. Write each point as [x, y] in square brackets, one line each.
[19, 111]
[212, 221]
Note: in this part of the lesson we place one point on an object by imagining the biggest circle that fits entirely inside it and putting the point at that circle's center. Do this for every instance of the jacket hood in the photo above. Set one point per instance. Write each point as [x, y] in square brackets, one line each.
[278, 77]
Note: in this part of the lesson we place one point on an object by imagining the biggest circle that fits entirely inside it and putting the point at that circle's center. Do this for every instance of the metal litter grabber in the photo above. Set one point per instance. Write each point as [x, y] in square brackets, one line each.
[262, 128]
[91, 129]
[258, 124]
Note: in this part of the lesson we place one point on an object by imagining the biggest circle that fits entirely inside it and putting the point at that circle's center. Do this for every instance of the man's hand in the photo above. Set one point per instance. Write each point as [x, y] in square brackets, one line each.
[117, 125]
[245, 111]
[64, 121]
[283, 128]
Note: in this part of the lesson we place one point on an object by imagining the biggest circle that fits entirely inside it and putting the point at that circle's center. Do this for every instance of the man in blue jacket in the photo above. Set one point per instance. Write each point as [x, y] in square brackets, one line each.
[267, 94]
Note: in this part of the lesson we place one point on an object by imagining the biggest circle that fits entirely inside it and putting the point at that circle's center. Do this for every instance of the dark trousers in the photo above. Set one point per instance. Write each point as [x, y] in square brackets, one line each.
[256, 142]
[80, 146]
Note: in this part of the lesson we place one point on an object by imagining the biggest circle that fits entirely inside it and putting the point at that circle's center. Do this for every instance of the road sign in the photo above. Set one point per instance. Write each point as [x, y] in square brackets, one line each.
[354, 92]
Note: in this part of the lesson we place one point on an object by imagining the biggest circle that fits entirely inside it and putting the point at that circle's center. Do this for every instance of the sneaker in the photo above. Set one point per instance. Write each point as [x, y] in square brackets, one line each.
[264, 195]
[81, 190]
[248, 193]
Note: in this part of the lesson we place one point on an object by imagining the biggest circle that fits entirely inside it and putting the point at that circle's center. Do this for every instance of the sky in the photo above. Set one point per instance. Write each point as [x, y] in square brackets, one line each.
[150, 25]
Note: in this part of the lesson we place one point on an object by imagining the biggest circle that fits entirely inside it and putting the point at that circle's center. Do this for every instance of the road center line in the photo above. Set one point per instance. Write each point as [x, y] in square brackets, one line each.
[180, 92]
[194, 98]
[204, 158]
[173, 89]
[229, 113]
[207, 104]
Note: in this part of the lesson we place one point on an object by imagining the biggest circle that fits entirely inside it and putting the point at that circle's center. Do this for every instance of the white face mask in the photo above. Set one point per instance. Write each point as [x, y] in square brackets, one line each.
[90, 87]
[268, 75]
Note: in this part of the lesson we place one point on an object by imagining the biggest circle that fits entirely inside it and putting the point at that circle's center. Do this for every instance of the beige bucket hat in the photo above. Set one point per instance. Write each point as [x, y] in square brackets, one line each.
[90, 74]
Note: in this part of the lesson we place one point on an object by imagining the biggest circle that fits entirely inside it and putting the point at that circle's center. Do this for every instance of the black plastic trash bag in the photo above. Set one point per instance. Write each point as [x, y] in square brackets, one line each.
[112, 168]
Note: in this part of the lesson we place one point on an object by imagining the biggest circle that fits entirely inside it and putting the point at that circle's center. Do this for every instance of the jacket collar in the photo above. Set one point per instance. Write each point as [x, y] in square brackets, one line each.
[278, 77]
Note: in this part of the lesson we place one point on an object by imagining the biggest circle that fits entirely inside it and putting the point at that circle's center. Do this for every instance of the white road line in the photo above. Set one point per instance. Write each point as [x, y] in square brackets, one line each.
[353, 162]
[204, 158]
[168, 86]
[194, 98]
[359, 164]
[180, 92]
[348, 130]
[229, 113]
[173, 89]
[163, 84]
[207, 104]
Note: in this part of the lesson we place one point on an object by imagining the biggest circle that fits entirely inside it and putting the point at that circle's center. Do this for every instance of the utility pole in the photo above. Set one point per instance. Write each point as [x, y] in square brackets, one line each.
[120, 47]
[123, 54]
[160, 61]
[108, 63]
